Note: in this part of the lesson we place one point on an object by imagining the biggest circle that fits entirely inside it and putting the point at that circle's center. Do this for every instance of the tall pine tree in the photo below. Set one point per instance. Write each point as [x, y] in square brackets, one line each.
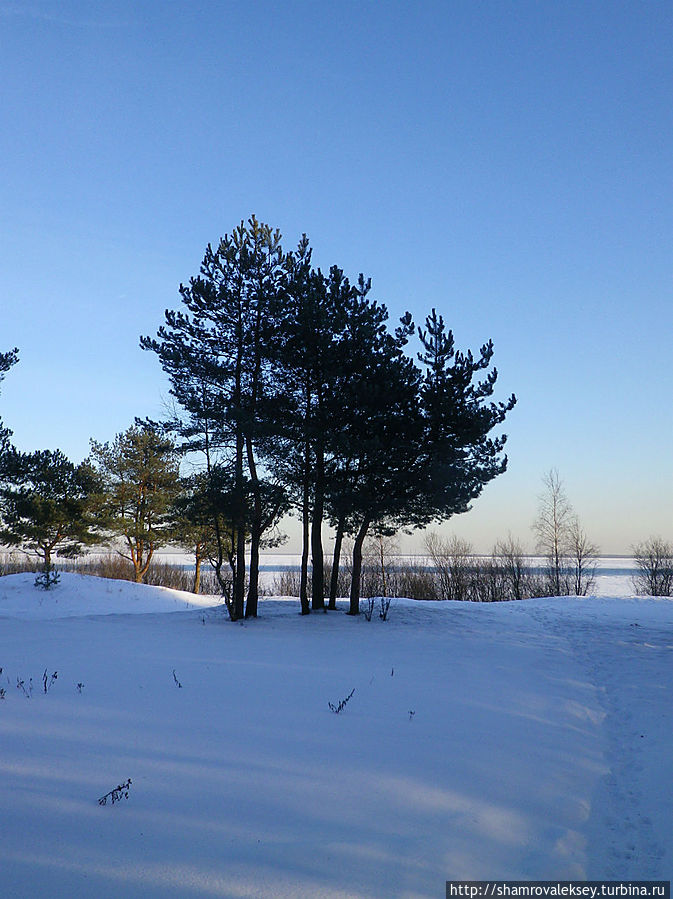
[215, 356]
[312, 317]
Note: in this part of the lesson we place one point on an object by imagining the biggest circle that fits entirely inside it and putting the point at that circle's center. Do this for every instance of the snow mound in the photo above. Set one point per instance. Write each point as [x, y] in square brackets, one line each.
[81, 595]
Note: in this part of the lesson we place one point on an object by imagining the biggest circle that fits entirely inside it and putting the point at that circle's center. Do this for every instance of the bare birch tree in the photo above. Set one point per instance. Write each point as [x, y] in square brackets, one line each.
[552, 529]
[569, 553]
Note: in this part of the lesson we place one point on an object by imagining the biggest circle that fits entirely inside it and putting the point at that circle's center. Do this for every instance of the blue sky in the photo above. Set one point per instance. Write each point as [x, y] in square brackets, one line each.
[508, 163]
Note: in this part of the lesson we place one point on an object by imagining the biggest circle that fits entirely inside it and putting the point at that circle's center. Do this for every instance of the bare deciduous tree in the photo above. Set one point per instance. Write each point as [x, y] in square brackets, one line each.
[452, 559]
[569, 553]
[510, 557]
[378, 551]
[583, 553]
[552, 529]
[654, 560]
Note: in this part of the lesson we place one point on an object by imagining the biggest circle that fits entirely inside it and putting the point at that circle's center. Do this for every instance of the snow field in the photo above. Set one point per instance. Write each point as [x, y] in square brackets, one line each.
[523, 757]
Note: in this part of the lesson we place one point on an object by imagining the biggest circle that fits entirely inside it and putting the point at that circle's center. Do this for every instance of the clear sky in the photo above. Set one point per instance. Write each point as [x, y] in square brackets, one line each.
[508, 162]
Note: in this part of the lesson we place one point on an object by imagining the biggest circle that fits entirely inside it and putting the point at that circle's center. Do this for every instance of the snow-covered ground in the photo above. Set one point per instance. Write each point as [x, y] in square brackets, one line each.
[525, 740]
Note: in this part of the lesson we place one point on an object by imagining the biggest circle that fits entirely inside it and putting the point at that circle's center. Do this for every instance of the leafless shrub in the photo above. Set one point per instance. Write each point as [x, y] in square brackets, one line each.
[654, 560]
[379, 551]
[416, 581]
[583, 556]
[486, 583]
[18, 563]
[368, 607]
[511, 560]
[453, 562]
[384, 607]
[47, 681]
[519, 576]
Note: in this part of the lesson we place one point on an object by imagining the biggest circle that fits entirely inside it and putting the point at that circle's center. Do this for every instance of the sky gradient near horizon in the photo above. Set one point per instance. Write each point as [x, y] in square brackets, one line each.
[509, 163]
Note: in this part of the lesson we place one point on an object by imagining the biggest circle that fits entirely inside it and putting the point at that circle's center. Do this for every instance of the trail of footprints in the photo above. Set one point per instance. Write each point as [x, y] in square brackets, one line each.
[633, 851]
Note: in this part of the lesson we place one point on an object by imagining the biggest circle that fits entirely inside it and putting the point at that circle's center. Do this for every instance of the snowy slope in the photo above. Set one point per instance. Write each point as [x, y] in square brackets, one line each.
[78, 594]
[539, 745]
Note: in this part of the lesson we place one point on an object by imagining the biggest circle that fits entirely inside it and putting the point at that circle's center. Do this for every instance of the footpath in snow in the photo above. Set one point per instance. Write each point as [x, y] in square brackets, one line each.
[524, 740]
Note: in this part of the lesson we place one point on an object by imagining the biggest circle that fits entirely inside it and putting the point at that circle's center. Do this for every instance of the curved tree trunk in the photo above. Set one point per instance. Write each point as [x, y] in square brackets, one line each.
[253, 584]
[336, 558]
[196, 583]
[357, 568]
[255, 534]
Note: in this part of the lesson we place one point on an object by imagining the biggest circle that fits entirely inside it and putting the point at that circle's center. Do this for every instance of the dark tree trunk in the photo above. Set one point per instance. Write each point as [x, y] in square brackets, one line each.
[357, 568]
[239, 577]
[255, 535]
[196, 583]
[236, 610]
[336, 559]
[317, 556]
[253, 585]
[305, 517]
[382, 562]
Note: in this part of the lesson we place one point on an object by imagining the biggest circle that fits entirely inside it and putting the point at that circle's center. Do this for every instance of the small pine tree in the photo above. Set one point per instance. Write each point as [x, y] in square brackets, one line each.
[46, 506]
[139, 480]
[47, 578]
[194, 523]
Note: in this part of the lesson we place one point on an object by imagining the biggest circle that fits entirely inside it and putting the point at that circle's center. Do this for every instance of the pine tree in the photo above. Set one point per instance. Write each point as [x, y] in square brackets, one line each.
[291, 410]
[215, 357]
[139, 480]
[308, 367]
[457, 457]
[193, 524]
[46, 505]
[373, 450]
[290, 383]
[416, 440]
